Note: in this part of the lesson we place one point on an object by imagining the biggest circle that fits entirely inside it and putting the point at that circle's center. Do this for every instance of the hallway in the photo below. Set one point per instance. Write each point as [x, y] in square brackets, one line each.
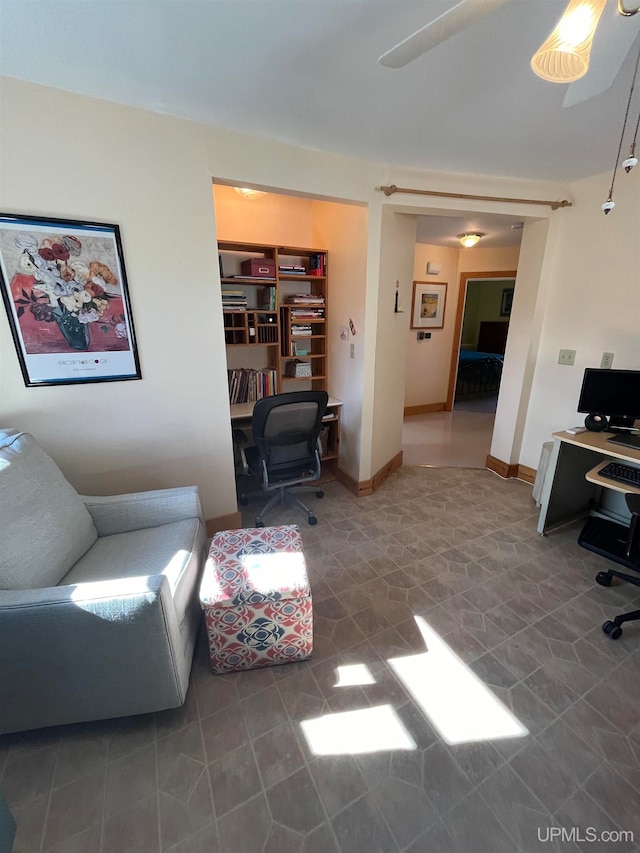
[458, 439]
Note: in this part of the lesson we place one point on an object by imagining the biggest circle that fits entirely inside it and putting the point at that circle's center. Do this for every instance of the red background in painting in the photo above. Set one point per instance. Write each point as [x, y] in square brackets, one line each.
[40, 337]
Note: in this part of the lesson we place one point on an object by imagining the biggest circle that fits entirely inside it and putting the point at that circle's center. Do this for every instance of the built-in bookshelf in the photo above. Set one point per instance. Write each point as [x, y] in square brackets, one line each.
[283, 311]
[275, 327]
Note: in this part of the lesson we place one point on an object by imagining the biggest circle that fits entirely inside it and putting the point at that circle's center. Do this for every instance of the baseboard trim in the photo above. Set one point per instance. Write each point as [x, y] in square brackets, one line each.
[503, 469]
[424, 410]
[368, 487]
[526, 474]
[233, 521]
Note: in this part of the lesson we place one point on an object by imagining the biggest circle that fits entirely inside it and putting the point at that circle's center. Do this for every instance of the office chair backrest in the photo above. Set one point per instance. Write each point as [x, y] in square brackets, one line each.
[286, 428]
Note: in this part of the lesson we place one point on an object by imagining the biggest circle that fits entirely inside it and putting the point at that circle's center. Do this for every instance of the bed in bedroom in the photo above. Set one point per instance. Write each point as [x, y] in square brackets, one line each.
[479, 374]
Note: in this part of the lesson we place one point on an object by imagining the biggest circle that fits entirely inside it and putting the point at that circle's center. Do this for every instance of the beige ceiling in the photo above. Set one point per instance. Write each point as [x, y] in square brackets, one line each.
[306, 72]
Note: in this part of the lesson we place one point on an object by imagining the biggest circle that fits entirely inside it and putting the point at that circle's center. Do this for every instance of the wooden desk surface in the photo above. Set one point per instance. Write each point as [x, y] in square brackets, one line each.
[244, 411]
[597, 441]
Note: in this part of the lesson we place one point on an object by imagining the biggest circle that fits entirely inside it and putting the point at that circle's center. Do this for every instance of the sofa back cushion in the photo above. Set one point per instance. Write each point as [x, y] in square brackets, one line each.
[44, 525]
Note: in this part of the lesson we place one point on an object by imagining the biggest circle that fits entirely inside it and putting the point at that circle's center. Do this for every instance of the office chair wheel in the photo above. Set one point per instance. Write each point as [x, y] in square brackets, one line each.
[243, 501]
[319, 493]
[259, 523]
[604, 578]
[312, 520]
[612, 630]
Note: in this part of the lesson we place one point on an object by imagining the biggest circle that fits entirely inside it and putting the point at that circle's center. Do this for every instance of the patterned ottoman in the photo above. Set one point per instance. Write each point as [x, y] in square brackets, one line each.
[256, 599]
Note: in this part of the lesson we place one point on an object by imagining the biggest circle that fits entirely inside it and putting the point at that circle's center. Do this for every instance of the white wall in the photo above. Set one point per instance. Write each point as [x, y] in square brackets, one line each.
[592, 304]
[428, 360]
[398, 237]
[343, 230]
[152, 174]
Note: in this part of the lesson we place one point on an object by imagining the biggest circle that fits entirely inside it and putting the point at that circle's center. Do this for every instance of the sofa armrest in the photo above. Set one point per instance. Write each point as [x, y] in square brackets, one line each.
[123, 513]
[78, 646]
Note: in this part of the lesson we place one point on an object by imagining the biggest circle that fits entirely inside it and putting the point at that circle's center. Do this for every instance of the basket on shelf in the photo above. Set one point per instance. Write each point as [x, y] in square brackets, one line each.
[297, 369]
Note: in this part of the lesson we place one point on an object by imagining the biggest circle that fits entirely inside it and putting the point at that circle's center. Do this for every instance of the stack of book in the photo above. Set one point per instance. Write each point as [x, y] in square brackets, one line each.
[305, 299]
[249, 385]
[234, 300]
[291, 269]
[301, 330]
[307, 313]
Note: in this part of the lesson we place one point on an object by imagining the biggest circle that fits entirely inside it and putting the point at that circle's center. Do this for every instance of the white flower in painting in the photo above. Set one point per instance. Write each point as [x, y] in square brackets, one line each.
[121, 330]
[89, 316]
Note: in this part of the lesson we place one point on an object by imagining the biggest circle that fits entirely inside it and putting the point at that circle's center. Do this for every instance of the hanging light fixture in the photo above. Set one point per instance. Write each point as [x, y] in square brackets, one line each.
[247, 192]
[470, 239]
[564, 56]
[631, 160]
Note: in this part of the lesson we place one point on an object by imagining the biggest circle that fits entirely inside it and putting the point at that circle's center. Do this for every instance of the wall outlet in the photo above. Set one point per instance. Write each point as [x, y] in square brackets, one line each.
[352, 350]
[567, 356]
[607, 359]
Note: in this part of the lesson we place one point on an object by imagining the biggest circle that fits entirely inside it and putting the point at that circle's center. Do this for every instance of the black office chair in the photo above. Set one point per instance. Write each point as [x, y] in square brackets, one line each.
[286, 429]
[620, 544]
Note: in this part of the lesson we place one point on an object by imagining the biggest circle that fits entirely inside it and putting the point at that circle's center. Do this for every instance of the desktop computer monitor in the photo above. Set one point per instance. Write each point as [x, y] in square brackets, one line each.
[612, 393]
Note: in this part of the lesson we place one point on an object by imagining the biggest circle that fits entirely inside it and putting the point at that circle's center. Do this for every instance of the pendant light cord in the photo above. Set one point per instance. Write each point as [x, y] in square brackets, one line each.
[624, 124]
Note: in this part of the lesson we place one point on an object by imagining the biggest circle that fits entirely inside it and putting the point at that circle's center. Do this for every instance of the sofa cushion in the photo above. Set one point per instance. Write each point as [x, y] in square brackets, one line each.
[166, 550]
[44, 525]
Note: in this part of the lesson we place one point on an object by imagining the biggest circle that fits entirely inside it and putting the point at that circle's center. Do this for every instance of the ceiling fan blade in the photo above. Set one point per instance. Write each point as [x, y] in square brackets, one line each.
[613, 40]
[462, 15]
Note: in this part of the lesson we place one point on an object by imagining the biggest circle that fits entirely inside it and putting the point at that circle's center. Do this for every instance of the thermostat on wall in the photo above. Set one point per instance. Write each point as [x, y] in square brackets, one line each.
[433, 268]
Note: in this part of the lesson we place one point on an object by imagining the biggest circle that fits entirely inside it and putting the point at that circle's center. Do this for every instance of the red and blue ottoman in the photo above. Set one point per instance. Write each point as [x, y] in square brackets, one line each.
[256, 598]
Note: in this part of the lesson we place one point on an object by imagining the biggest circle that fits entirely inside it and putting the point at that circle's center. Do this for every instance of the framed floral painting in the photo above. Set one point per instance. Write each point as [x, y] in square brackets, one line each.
[427, 307]
[64, 287]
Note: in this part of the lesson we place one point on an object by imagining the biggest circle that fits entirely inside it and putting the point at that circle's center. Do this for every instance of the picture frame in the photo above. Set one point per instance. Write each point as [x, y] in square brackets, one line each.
[507, 302]
[428, 305]
[64, 288]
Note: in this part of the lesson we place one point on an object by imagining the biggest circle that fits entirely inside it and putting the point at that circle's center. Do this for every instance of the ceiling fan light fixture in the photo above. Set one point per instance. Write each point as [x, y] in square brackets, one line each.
[247, 192]
[564, 56]
[469, 240]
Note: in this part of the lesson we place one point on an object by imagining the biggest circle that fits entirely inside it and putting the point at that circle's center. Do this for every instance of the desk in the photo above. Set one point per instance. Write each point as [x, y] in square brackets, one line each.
[241, 414]
[572, 486]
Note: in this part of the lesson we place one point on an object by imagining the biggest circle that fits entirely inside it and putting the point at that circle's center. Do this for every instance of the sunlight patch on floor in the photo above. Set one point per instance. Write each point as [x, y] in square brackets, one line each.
[458, 704]
[353, 674]
[357, 732]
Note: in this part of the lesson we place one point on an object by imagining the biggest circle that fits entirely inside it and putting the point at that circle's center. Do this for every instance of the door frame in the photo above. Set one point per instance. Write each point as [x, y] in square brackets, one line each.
[457, 331]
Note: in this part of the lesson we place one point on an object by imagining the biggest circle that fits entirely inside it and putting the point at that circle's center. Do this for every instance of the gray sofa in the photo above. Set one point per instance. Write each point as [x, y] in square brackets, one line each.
[98, 595]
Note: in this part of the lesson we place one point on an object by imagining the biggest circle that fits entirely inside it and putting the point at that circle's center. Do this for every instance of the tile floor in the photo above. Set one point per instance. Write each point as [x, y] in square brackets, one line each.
[435, 588]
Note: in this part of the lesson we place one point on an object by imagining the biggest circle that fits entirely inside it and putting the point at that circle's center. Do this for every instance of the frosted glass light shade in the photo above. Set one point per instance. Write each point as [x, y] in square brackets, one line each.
[564, 57]
[469, 240]
[247, 192]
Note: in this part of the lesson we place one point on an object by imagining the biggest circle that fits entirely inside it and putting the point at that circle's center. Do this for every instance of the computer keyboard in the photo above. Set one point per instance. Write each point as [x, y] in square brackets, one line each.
[622, 473]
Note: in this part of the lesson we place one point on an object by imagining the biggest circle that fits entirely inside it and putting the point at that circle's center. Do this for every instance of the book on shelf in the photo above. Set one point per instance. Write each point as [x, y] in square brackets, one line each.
[270, 298]
[318, 263]
[254, 277]
[246, 385]
[291, 269]
[301, 330]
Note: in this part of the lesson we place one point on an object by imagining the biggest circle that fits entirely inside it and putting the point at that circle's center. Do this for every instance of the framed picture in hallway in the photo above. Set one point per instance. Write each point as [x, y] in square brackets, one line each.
[64, 287]
[428, 303]
[507, 302]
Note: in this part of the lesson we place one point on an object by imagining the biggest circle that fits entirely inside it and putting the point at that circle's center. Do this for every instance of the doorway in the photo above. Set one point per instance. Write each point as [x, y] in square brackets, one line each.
[460, 434]
[481, 343]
